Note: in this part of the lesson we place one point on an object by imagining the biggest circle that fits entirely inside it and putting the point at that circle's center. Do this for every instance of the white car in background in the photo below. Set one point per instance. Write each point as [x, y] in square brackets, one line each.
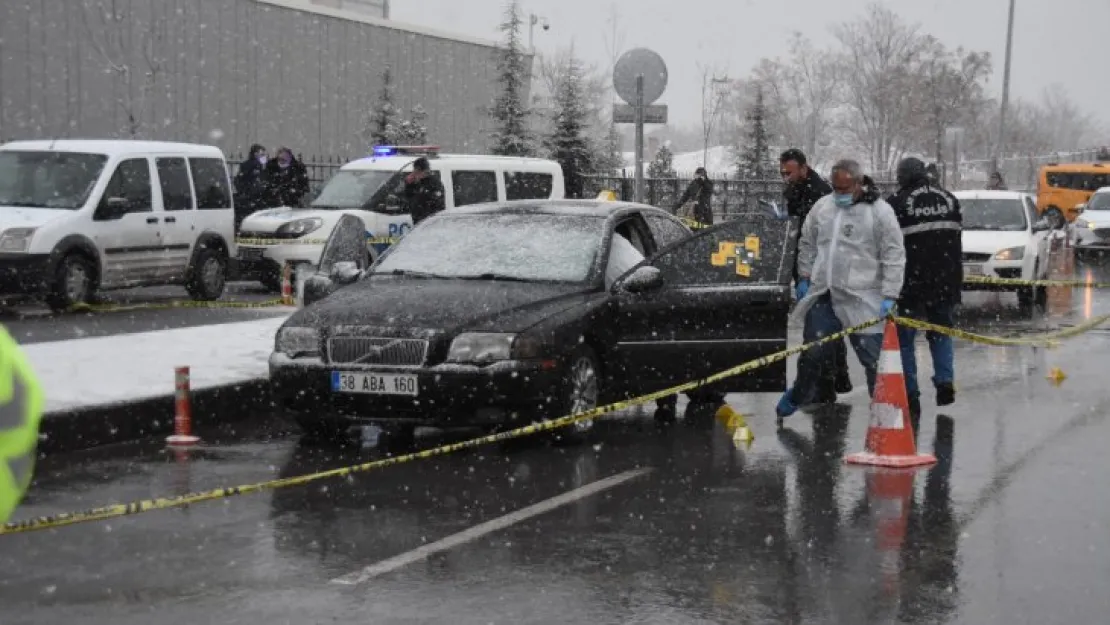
[371, 189]
[1003, 237]
[1093, 226]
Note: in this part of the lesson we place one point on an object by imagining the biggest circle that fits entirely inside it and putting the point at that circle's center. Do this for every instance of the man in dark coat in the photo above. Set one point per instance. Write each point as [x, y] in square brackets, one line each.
[802, 188]
[250, 188]
[932, 228]
[424, 192]
[700, 192]
[286, 180]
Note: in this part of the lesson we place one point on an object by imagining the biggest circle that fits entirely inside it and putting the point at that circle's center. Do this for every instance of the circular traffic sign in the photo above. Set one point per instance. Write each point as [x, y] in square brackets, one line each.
[634, 63]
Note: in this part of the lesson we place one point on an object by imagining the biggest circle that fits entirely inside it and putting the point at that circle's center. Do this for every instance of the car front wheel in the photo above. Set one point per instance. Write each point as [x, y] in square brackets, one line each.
[581, 393]
[208, 275]
[74, 283]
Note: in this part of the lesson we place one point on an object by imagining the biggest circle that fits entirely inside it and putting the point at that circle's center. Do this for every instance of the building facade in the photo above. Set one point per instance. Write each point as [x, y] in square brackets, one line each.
[232, 73]
[374, 8]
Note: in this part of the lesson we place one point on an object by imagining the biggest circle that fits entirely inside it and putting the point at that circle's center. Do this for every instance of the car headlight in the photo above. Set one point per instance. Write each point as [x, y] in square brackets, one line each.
[16, 239]
[296, 342]
[1011, 253]
[301, 227]
[484, 348]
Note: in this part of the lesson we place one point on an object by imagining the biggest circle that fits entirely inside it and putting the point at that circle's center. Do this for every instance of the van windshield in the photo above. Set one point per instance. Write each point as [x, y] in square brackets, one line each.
[356, 189]
[48, 179]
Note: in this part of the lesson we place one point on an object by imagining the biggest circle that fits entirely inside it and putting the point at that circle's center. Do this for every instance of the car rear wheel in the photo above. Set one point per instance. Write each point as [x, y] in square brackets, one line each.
[208, 275]
[581, 393]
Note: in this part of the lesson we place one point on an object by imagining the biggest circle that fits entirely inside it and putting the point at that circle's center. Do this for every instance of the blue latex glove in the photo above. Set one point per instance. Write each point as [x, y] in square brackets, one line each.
[886, 308]
[801, 288]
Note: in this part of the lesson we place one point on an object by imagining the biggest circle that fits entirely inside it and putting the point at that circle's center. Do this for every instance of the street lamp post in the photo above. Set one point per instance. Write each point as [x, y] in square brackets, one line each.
[718, 96]
[1005, 90]
[534, 19]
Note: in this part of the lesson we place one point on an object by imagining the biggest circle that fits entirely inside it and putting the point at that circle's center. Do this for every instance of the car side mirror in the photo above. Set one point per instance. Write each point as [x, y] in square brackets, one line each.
[642, 280]
[1081, 207]
[392, 204]
[345, 272]
[1041, 225]
[113, 208]
[317, 288]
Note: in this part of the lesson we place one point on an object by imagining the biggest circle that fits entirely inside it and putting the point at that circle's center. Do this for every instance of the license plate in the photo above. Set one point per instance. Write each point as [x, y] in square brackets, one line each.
[250, 253]
[973, 270]
[375, 383]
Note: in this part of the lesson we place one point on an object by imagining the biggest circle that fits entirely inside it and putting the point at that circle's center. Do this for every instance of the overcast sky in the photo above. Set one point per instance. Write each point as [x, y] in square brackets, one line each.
[1065, 42]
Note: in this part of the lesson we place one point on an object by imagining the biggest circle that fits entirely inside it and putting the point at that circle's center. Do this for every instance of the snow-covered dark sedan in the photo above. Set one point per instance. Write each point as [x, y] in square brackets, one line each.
[500, 315]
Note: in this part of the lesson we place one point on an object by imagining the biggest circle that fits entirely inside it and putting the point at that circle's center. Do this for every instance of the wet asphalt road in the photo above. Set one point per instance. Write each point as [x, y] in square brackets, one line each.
[1010, 527]
[31, 323]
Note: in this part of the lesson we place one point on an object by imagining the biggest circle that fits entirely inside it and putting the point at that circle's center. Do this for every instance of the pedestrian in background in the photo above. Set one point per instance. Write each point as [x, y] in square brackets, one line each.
[996, 182]
[423, 191]
[802, 187]
[286, 180]
[697, 201]
[932, 228]
[851, 265]
[250, 184]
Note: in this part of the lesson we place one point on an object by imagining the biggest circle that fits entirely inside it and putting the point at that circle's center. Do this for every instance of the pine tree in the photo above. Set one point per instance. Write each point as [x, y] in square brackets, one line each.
[509, 112]
[662, 166]
[755, 157]
[414, 130]
[567, 142]
[609, 157]
[383, 119]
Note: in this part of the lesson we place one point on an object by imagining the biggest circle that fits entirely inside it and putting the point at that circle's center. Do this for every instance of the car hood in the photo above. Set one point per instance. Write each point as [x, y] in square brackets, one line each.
[17, 217]
[991, 241]
[1100, 218]
[269, 220]
[449, 306]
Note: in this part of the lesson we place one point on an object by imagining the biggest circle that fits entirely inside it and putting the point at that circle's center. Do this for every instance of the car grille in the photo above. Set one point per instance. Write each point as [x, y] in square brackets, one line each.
[970, 257]
[1102, 233]
[373, 350]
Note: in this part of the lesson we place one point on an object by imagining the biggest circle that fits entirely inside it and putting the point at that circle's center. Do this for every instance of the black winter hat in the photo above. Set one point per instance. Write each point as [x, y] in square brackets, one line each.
[910, 170]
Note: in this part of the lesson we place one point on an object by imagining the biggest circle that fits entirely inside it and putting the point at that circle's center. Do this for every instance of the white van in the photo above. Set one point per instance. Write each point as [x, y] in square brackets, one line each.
[371, 189]
[78, 216]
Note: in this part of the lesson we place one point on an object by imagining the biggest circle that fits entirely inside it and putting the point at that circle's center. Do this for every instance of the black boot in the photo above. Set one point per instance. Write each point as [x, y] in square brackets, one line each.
[946, 394]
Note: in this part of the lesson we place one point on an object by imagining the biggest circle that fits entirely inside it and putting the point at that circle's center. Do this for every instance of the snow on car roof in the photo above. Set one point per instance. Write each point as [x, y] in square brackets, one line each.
[114, 147]
[582, 208]
[983, 194]
[400, 161]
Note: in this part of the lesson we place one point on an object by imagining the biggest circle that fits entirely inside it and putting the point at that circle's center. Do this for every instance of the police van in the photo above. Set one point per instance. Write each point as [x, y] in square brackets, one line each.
[372, 189]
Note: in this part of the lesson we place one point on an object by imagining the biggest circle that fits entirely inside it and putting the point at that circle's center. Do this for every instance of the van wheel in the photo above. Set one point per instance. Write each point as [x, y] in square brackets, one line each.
[74, 283]
[1055, 218]
[208, 275]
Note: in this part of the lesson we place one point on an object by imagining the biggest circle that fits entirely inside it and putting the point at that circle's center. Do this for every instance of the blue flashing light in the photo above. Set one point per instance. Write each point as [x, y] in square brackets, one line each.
[384, 150]
[405, 150]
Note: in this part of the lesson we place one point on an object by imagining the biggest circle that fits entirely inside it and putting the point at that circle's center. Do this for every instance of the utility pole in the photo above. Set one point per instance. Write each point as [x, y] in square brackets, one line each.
[1000, 144]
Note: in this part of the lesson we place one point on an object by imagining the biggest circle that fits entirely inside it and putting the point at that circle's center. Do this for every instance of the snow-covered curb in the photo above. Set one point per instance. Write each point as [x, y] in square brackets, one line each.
[103, 371]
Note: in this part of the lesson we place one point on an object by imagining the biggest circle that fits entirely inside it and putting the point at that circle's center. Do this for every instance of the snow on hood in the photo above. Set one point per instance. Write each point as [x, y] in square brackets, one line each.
[991, 241]
[12, 217]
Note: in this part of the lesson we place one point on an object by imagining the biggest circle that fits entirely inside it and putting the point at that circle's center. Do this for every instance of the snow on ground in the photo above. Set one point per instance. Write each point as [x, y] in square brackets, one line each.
[127, 367]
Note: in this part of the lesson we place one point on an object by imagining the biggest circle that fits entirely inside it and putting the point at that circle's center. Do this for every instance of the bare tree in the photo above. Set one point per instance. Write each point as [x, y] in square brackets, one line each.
[713, 93]
[879, 67]
[951, 91]
[136, 66]
[800, 91]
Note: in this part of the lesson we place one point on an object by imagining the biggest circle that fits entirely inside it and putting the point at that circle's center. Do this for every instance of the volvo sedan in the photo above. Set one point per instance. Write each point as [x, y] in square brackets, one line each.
[500, 315]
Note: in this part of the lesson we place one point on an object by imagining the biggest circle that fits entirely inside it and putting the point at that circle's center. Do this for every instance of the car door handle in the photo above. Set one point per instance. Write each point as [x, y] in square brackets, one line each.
[152, 220]
[171, 220]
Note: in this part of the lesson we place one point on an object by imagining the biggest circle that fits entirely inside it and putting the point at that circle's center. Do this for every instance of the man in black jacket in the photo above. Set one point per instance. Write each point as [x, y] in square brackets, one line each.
[700, 192]
[286, 180]
[423, 191]
[803, 187]
[932, 228]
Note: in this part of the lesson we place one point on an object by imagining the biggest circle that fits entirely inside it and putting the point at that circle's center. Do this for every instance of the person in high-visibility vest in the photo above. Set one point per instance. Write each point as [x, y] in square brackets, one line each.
[21, 405]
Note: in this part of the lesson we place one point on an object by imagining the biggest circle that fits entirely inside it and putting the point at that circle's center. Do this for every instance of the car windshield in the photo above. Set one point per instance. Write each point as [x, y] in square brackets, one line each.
[1099, 202]
[352, 189]
[533, 248]
[48, 179]
[993, 214]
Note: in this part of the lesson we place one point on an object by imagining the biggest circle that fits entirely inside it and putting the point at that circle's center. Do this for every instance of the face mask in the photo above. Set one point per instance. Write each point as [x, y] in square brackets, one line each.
[843, 200]
[262, 159]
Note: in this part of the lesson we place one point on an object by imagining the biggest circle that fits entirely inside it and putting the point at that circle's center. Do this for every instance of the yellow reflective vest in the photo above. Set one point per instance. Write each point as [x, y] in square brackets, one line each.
[21, 405]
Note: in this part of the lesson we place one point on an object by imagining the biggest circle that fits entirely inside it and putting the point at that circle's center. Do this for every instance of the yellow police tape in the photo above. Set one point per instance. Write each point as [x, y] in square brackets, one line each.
[693, 224]
[104, 308]
[163, 503]
[270, 242]
[737, 422]
[1047, 283]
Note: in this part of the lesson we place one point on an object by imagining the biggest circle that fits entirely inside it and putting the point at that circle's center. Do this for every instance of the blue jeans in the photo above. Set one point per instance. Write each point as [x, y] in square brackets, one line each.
[940, 346]
[821, 321]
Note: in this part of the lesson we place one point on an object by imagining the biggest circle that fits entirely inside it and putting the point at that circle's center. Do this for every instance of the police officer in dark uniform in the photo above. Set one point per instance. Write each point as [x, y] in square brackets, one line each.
[803, 187]
[423, 191]
[932, 228]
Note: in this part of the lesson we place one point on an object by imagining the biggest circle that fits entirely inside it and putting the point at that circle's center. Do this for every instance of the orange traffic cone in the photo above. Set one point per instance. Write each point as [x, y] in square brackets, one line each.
[183, 412]
[287, 284]
[890, 439]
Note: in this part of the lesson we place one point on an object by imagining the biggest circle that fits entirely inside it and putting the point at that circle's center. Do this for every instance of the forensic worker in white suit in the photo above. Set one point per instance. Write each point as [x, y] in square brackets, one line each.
[851, 263]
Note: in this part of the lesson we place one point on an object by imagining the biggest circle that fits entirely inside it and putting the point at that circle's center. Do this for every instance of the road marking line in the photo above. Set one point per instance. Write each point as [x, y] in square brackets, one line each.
[493, 525]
